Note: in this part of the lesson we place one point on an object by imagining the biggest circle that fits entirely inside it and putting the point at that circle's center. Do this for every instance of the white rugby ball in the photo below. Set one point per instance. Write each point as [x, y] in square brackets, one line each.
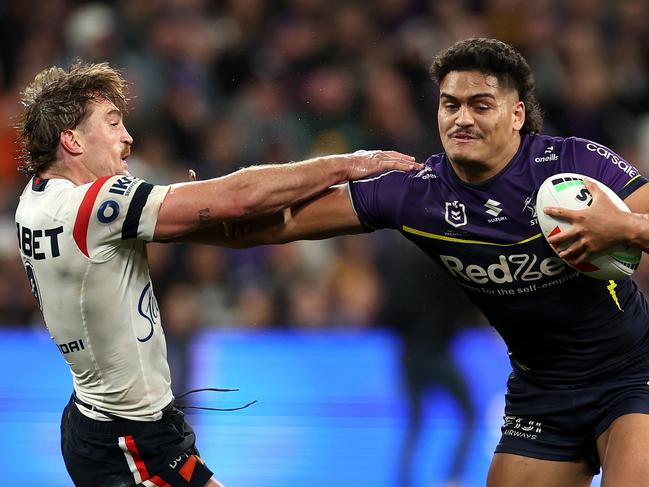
[566, 190]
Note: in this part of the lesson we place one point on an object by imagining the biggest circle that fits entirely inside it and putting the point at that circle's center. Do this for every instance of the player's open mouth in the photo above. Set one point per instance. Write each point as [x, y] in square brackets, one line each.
[463, 137]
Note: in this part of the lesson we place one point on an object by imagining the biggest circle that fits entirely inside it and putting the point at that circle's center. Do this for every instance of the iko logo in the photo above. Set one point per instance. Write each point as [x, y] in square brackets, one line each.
[493, 207]
[548, 156]
[122, 185]
[509, 268]
[455, 213]
[614, 158]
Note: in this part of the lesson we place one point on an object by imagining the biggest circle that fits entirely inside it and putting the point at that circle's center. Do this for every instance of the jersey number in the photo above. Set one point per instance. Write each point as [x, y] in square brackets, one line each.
[33, 283]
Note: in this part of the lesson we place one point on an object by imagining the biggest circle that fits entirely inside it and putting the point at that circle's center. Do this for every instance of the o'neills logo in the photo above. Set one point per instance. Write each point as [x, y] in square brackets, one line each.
[548, 156]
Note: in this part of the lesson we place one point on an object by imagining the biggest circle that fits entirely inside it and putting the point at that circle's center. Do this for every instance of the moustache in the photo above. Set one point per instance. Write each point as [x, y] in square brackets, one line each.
[464, 133]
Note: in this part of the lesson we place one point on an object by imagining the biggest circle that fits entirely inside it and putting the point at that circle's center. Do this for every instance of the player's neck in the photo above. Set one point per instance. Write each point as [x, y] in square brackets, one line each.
[475, 172]
[78, 174]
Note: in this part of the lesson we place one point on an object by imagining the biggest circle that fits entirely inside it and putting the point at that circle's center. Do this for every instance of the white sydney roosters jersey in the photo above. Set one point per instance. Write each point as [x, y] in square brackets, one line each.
[84, 250]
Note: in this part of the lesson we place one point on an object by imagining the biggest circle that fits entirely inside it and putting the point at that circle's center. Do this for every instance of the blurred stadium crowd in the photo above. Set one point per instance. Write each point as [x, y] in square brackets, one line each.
[221, 84]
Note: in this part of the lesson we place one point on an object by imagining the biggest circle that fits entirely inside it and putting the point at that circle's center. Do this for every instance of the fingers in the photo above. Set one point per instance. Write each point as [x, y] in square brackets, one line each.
[592, 187]
[575, 253]
[570, 247]
[561, 213]
[562, 238]
[399, 155]
[363, 163]
[400, 164]
[396, 160]
[385, 155]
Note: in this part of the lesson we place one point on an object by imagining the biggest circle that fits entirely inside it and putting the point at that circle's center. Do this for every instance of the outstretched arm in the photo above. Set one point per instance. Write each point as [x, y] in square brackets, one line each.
[326, 215]
[603, 224]
[261, 190]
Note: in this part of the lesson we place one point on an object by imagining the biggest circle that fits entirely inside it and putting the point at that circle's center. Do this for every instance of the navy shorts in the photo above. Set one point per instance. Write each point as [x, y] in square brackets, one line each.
[128, 453]
[563, 422]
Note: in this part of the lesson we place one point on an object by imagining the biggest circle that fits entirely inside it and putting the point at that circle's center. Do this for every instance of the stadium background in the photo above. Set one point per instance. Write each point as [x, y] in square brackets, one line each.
[318, 332]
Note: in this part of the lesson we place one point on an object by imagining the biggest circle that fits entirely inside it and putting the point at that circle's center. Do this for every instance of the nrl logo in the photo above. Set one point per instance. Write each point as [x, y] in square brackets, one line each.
[455, 213]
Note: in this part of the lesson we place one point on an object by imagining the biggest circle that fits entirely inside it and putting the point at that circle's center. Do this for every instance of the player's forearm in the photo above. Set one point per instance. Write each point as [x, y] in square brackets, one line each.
[238, 235]
[637, 230]
[326, 215]
[260, 190]
[247, 193]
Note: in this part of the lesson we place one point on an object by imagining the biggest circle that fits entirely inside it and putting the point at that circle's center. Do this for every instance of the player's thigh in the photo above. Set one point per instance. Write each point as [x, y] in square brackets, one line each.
[508, 470]
[624, 451]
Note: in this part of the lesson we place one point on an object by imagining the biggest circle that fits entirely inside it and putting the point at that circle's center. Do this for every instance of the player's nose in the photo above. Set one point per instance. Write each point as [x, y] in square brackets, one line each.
[464, 117]
[126, 138]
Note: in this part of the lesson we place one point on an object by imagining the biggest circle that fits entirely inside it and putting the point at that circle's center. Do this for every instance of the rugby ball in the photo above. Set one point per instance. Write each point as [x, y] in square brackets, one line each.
[566, 190]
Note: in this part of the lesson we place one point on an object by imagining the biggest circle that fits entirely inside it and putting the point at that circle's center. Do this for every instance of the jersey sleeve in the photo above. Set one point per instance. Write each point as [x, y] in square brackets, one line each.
[378, 201]
[115, 209]
[600, 162]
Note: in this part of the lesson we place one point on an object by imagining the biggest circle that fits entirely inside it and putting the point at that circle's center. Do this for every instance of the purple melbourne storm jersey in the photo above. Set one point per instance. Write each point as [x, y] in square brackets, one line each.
[555, 321]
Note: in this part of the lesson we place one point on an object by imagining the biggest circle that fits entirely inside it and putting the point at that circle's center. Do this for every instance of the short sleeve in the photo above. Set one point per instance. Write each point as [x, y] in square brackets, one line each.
[600, 162]
[378, 201]
[114, 210]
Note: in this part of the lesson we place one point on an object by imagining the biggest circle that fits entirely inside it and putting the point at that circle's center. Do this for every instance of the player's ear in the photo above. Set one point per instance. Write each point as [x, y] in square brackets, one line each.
[70, 143]
[519, 115]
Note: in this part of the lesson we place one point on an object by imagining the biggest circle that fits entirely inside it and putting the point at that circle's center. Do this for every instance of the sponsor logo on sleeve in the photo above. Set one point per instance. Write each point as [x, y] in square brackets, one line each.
[613, 158]
[123, 186]
[108, 211]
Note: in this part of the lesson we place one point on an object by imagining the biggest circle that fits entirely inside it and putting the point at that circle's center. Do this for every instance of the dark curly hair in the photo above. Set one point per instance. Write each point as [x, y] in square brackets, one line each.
[58, 100]
[493, 57]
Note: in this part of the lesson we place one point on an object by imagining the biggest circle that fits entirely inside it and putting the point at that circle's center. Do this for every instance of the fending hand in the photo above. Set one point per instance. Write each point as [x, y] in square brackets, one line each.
[366, 162]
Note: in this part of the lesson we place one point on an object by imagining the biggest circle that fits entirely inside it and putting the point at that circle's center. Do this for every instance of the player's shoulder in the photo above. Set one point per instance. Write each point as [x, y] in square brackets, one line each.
[434, 169]
[570, 151]
[46, 197]
[588, 155]
[388, 178]
[542, 148]
[119, 185]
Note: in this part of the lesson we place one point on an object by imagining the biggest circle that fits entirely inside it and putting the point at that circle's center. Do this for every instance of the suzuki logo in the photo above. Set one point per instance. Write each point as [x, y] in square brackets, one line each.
[455, 213]
[493, 207]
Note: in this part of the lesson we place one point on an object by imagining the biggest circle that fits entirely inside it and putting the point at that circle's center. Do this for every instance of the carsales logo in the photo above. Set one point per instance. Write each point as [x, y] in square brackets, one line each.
[614, 158]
